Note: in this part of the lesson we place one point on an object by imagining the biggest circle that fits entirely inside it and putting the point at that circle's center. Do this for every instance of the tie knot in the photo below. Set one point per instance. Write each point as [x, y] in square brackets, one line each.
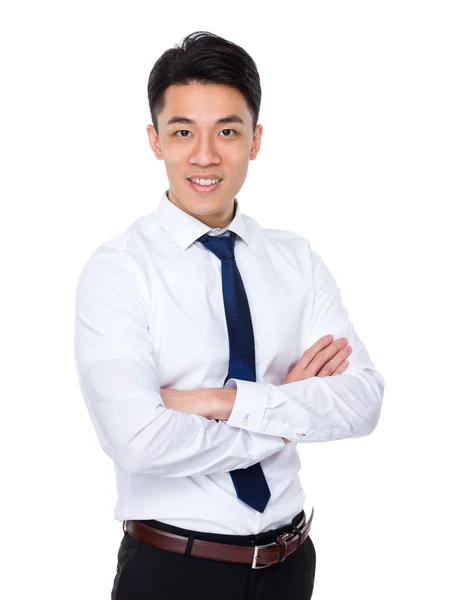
[221, 246]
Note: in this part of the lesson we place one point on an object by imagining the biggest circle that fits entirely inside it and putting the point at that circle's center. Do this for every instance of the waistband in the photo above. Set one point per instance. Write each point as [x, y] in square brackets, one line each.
[247, 549]
[266, 537]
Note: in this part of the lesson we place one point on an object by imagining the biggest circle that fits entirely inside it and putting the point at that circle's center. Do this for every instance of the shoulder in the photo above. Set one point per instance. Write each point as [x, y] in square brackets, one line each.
[123, 256]
[287, 237]
[279, 237]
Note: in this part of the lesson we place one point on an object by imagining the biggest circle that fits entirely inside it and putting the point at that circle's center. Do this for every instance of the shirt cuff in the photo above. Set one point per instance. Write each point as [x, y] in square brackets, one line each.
[249, 406]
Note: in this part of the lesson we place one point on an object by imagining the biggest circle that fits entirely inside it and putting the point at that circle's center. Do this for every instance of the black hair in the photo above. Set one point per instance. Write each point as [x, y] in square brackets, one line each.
[204, 57]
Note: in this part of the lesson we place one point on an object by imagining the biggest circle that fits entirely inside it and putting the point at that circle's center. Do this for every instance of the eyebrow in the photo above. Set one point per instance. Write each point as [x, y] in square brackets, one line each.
[228, 119]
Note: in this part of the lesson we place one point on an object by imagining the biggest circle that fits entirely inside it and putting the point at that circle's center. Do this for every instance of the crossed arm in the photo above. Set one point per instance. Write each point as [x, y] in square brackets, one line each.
[312, 404]
[212, 403]
[119, 380]
[325, 358]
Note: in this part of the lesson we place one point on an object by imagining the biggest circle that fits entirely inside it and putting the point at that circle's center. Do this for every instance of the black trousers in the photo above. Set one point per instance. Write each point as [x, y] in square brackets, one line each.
[145, 572]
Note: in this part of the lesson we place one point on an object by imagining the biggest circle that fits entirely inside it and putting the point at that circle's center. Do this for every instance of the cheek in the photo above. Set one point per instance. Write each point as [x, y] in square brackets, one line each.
[237, 160]
[175, 154]
[240, 168]
[175, 164]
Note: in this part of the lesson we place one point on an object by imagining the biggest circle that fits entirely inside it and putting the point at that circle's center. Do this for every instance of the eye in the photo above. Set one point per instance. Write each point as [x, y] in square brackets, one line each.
[228, 130]
[181, 131]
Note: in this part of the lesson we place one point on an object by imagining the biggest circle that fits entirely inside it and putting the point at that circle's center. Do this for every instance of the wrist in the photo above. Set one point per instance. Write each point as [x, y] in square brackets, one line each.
[225, 399]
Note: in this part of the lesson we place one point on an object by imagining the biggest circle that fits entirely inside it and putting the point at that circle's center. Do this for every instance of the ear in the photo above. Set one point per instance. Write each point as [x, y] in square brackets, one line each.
[153, 138]
[257, 140]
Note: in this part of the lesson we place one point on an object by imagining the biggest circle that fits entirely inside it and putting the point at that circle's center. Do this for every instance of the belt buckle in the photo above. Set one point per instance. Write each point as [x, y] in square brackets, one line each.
[254, 564]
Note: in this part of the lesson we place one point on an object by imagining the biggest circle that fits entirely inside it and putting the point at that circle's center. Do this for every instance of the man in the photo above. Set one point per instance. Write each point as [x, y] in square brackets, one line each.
[202, 355]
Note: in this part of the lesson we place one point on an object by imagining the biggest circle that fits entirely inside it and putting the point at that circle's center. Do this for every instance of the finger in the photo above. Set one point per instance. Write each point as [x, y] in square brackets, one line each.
[329, 355]
[336, 361]
[341, 368]
[311, 352]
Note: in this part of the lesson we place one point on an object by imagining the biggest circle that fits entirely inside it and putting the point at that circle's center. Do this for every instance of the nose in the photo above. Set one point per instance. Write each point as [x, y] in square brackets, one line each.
[204, 151]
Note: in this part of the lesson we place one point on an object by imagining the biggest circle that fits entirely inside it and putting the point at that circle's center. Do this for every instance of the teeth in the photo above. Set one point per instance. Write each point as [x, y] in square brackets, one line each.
[205, 181]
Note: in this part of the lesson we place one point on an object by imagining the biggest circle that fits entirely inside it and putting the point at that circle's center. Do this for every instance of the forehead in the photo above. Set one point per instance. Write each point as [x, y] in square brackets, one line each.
[204, 102]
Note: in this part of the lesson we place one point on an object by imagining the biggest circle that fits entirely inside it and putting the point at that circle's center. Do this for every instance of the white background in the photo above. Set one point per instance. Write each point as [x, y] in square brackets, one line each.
[354, 157]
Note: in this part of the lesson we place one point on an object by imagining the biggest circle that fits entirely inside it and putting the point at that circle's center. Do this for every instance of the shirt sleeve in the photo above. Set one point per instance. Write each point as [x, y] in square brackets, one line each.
[317, 409]
[118, 378]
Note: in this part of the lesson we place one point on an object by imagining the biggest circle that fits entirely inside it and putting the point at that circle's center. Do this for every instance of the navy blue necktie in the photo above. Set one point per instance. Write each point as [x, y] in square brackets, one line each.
[250, 483]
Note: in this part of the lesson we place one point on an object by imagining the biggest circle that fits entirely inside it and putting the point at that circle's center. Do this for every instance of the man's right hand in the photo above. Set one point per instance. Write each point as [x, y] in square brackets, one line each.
[326, 357]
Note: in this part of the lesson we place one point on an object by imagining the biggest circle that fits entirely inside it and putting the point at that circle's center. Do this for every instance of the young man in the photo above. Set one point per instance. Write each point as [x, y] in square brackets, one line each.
[201, 354]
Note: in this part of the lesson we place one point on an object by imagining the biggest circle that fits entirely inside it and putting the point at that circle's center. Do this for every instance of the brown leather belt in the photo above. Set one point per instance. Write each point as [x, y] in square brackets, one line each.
[268, 554]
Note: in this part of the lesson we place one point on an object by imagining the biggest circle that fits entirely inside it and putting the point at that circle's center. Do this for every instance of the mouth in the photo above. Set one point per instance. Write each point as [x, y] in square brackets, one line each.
[204, 189]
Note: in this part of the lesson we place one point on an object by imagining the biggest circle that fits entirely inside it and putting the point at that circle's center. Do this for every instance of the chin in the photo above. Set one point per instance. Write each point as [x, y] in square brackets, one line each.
[201, 203]
[206, 207]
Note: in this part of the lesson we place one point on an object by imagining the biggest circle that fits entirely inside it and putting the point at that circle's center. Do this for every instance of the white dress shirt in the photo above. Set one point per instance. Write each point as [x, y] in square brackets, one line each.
[150, 315]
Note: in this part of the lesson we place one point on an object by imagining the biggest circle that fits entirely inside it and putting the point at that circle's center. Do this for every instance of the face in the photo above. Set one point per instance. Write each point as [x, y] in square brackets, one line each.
[205, 131]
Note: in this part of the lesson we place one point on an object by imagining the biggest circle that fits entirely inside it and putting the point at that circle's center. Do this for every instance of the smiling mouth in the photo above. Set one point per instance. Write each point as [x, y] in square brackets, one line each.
[202, 189]
[204, 179]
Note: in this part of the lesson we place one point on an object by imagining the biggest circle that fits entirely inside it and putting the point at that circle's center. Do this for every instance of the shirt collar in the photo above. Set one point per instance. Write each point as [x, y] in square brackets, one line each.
[185, 229]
